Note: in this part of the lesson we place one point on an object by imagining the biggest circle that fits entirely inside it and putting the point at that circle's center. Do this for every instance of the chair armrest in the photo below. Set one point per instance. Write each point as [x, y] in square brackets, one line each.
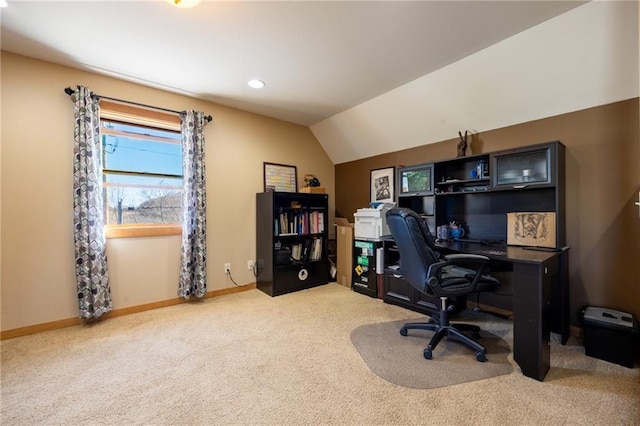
[458, 274]
[465, 256]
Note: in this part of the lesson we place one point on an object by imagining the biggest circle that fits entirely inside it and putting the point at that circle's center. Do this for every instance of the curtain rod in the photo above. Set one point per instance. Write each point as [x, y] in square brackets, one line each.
[69, 91]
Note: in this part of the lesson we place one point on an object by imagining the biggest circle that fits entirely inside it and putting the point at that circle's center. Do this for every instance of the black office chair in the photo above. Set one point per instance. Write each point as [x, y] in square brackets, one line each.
[452, 275]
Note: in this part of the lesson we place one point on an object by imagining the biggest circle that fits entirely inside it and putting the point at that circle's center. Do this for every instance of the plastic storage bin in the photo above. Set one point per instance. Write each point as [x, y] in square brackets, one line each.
[610, 335]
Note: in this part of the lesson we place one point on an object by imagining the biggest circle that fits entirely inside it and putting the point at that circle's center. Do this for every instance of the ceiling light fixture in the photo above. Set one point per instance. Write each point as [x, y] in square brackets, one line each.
[256, 84]
[184, 4]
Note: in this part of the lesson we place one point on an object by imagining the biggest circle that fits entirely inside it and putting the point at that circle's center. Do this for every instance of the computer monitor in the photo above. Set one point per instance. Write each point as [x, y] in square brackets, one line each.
[415, 180]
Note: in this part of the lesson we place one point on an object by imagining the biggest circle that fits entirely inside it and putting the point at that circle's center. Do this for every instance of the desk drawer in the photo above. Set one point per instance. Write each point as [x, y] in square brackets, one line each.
[396, 289]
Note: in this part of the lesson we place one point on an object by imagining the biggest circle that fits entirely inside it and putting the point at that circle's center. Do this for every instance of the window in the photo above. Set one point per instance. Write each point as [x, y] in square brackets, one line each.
[142, 170]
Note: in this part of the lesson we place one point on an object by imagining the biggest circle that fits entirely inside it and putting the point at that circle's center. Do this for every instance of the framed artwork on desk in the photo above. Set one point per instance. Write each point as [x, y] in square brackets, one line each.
[280, 178]
[536, 229]
[383, 185]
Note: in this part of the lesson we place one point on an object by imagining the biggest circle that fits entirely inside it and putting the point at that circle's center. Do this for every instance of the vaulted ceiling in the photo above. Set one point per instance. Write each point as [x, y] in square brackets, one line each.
[319, 59]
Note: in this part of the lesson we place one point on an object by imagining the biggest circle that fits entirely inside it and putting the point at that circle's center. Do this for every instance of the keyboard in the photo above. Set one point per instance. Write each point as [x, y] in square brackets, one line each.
[491, 252]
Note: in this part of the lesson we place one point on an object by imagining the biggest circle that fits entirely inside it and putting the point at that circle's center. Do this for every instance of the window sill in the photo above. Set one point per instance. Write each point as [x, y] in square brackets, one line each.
[133, 231]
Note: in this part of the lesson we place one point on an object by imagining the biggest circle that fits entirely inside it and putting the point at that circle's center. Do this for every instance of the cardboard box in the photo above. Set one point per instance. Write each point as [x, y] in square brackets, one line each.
[344, 243]
[313, 190]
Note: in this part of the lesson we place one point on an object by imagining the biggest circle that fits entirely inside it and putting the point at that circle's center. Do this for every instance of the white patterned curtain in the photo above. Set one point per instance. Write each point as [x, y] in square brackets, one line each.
[193, 271]
[92, 274]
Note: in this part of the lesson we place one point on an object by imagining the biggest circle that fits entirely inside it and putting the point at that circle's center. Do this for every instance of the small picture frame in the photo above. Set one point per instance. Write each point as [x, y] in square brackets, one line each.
[383, 185]
[280, 177]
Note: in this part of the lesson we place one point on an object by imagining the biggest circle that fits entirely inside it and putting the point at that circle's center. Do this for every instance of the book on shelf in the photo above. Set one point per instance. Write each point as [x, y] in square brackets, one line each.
[296, 251]
[316, 251]
[316, 222]
[299, 223]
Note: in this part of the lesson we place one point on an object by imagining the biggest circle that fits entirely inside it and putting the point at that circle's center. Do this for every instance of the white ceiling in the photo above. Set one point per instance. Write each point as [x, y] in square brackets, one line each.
[318, 58]
[367, 77]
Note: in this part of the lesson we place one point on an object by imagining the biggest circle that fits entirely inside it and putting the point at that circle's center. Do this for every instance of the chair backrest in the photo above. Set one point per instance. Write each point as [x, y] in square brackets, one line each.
[415, 244]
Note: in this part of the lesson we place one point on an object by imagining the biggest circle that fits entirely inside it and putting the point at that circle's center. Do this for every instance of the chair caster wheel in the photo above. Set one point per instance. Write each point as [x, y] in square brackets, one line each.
[428, 354]
[481, 356]
[403, 331]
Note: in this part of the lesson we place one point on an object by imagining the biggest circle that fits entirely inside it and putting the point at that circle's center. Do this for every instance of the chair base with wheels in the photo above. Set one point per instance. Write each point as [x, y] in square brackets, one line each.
[443, 328]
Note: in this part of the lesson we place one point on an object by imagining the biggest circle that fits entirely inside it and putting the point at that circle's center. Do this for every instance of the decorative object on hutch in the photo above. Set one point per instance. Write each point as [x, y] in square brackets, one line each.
[462, 145]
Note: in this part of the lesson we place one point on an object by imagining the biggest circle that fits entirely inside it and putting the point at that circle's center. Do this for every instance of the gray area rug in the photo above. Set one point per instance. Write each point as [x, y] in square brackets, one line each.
[399, 360]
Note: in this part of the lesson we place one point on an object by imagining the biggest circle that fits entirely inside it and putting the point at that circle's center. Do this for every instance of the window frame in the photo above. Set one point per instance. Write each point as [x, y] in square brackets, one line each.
[127, 114]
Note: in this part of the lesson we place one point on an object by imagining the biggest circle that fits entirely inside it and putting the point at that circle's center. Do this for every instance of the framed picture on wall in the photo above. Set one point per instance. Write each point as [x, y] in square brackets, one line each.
[280, 177]
[383, 185]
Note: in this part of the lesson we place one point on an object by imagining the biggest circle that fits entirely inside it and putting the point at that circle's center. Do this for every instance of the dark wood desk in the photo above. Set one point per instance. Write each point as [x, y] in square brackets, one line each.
[540, 299]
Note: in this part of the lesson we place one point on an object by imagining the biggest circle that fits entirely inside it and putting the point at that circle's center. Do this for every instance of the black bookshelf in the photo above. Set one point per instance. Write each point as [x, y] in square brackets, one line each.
[291, 241]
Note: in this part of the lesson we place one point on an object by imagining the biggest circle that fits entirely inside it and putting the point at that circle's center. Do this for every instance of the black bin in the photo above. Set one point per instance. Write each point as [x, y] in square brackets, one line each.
[611, 335]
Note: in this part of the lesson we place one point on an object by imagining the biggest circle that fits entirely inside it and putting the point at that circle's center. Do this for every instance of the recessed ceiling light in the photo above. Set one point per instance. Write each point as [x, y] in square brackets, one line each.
[184, 4]
[256, 84]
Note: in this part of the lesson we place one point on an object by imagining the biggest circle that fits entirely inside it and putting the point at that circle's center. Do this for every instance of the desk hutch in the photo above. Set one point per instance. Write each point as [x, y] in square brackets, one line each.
[477, 192]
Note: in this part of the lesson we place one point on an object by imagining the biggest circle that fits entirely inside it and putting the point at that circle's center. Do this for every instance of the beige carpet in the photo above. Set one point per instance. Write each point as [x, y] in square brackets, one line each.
[249, 359]
[399, 360]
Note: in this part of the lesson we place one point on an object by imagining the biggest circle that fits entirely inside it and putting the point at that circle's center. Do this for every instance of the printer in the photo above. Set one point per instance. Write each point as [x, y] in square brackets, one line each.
[371, 223]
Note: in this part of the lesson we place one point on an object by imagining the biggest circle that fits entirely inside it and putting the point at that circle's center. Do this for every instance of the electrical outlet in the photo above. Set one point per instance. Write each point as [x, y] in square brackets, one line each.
[249, 265]
[227, 268]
